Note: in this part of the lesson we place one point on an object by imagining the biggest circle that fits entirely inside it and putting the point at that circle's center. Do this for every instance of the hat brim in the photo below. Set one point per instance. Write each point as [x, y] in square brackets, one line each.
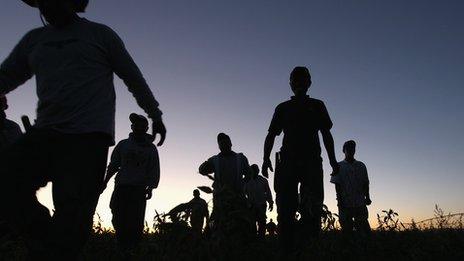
[79, 8]
[32, 3]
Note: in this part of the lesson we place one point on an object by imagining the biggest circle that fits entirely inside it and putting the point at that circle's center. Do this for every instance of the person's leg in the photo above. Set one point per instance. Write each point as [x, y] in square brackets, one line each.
[80, 164]
[346, 220]
[25, 168]
[312, 197]
[118, 220]
[361, 222]
[197, 224]
[286, 188]
[136, 215]
[261, 219]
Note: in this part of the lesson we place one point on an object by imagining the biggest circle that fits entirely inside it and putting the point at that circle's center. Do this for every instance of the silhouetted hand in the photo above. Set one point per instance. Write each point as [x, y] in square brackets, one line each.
[159, 128]
[335, 168]
[149, 193]
[368, 201]
[103, 187]
[271, 206]
[267, 165]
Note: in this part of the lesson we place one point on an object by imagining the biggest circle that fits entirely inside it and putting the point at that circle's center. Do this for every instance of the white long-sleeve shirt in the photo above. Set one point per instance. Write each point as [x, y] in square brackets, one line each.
[136, 161]
[74, 69]
[257, 191]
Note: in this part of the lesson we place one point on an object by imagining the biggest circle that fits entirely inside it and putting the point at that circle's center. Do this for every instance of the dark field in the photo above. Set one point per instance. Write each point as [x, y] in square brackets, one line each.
[174, 241]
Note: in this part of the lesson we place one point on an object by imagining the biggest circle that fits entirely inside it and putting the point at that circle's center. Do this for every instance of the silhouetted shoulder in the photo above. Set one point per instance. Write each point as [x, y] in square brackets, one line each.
[31, 37]
[35, 32]
[12, 125]
[122, 142]
[316, 102]
[361, 164]
[101, 29]
[283, 105]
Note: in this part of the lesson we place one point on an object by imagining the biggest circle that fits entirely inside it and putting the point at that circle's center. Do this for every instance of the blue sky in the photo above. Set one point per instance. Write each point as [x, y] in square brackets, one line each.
[390, 73]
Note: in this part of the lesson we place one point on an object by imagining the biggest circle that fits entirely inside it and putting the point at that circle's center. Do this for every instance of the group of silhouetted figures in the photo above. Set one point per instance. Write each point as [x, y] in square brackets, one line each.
[73, 61]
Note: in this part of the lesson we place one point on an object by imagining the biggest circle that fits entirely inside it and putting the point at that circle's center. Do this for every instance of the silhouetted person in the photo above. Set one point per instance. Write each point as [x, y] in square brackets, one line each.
[259, 196]
[198, 209]
[271, 228]
[352, 186]
[299, 163]
[136, 162]
[229, 170]
[9, 133]
[9, 130]
[73, 61]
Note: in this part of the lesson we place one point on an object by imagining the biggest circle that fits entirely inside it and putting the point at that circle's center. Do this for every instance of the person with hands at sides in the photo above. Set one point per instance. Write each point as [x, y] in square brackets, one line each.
[259, 198]
[136, 162]
[299, 162]
[352, 187]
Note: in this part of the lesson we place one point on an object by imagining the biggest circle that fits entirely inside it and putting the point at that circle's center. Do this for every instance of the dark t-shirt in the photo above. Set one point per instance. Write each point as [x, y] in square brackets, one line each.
[300, 119]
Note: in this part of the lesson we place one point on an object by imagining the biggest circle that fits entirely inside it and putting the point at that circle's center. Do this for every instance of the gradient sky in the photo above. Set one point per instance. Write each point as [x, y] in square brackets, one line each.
[390, 72]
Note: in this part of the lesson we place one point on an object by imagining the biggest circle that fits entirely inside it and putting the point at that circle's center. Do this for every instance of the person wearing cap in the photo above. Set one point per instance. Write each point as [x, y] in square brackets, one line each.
[136, 162]
[352, 187]
[74, 61]
[230, 170]
[299, 163]
[259, 196]
[9, 130]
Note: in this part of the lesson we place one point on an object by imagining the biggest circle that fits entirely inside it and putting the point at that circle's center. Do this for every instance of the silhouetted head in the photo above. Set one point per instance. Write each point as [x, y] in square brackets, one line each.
[254, 170]
[139, 124]
[349, 148]
[3, 103]
[224, 142]
[196, 193]
[59, 12]
[300, 80]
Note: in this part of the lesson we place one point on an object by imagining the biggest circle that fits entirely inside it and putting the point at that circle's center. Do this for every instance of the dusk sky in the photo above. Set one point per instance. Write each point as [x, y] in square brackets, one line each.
[391, 74]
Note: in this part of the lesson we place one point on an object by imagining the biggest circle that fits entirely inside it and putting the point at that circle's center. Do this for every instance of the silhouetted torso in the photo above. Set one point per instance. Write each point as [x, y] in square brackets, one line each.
[9, 133]
[300, 119]
[199, 208]
[138, 161]
[229, 169]
[74, 69]
[352, 179]
[257, 191]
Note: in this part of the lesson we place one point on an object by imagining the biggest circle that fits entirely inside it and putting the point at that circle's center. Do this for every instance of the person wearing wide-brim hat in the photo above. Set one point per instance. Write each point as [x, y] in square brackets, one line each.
[73, 61]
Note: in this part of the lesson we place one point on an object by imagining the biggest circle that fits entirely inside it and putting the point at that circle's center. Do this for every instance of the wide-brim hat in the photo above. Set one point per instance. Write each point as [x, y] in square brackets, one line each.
[80, 5]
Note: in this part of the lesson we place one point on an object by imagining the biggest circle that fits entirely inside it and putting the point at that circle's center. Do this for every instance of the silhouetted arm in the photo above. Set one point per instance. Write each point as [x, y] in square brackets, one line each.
[154, 177]
[366, 186]
[269, 199]
[275, 129]
[125, 67]
[115, 164]
[338, 192]
[15, 70]
[206, 168]
[246, 169]
[329, 146]
[268, 145]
